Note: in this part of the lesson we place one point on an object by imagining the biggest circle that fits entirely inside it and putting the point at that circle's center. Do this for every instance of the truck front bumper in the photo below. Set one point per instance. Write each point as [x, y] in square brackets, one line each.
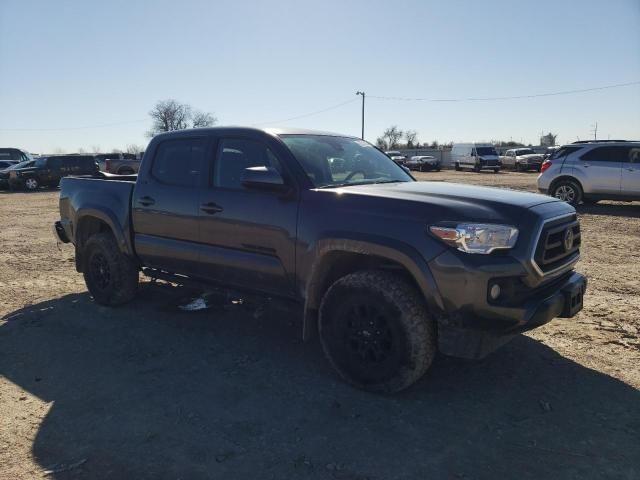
[473, 325]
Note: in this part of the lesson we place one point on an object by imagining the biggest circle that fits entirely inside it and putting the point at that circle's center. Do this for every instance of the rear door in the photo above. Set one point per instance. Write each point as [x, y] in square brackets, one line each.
[631, 173]
[600, 169]
[248, 236]
[165, 205]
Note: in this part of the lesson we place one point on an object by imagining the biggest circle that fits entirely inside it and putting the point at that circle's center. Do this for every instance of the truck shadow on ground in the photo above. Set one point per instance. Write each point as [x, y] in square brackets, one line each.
[146, 391]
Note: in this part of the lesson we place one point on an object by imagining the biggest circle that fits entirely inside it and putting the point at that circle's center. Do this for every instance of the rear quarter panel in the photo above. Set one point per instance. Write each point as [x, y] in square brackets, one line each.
[107, 200]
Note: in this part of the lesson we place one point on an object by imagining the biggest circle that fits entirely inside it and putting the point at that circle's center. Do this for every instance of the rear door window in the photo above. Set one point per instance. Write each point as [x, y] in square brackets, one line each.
[606, 154]
[179, 162]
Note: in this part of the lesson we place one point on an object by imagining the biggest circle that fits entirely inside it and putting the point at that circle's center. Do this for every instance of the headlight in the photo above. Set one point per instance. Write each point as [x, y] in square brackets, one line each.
[480, 238]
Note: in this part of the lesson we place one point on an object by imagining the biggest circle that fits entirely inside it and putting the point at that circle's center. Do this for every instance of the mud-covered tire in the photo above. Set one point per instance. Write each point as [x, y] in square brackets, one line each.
[376, 332]
[568, 191]
[111, 276]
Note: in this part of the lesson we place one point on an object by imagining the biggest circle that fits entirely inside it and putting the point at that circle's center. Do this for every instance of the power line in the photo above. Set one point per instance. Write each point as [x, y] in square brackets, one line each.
[59, 129]
[514, 97]
[333, 107]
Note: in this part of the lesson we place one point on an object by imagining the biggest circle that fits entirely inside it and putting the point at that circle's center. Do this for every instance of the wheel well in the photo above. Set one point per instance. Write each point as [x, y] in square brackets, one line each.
[87, 226]
[336, 265]
[567, 178]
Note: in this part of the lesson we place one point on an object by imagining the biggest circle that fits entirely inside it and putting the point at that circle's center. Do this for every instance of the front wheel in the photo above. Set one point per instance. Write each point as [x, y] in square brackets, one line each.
[376, 331]
[111, 276]
[568, 191]
[31, 184]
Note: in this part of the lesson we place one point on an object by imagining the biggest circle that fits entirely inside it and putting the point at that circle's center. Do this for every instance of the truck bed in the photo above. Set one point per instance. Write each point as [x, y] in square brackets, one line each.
[103, 194]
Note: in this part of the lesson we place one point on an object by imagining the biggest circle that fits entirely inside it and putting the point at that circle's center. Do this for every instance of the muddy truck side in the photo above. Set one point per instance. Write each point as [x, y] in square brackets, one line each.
[386, 270]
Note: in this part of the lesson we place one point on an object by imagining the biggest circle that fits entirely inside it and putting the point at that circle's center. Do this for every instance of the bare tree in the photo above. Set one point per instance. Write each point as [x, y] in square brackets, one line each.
[133, 148]
[411, 136]
[434, 145]
[392, 135]
[202, 119]
[95, 148]
[169, 115]
[381, 143]
[81, 150]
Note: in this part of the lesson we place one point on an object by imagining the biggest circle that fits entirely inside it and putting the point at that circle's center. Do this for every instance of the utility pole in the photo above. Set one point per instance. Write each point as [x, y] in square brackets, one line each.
[363, 95]
[595, 131]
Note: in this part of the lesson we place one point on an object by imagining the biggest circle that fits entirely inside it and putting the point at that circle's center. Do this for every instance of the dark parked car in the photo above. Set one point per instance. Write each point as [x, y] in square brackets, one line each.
[423, 163]
[386, 270]
[4, 174]
[47, 171]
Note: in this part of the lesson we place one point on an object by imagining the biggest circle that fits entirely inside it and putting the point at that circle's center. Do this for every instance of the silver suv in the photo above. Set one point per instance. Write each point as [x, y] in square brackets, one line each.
[591, 171]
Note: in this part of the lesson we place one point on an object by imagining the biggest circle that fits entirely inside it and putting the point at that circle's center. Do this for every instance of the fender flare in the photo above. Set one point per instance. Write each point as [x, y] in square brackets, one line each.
[111, 220]
[398, 252]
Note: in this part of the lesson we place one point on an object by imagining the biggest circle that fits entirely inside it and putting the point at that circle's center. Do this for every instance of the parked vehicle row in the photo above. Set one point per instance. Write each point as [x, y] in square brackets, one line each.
[47, 171]
[591, 171]
[373, 258]
[21, 170]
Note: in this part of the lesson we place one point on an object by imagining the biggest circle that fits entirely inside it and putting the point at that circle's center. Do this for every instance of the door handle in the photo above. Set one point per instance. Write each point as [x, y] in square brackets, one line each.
[146, 201]
[211, 208]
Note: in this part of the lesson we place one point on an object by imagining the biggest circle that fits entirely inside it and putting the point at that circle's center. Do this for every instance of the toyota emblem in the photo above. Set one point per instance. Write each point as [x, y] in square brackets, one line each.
[568, 239]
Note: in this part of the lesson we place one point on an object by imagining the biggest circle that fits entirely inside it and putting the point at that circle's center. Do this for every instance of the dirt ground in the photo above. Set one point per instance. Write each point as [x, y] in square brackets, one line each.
[148, 391]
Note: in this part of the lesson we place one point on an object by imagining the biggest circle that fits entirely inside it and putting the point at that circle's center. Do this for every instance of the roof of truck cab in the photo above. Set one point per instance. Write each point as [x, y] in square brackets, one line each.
[237, 129]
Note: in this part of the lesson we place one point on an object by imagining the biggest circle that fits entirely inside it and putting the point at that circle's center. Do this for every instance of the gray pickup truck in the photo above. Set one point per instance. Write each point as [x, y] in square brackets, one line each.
[385, 269]
[118, 163]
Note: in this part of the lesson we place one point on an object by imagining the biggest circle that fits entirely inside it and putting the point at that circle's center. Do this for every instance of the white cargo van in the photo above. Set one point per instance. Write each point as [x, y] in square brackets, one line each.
[476, 156]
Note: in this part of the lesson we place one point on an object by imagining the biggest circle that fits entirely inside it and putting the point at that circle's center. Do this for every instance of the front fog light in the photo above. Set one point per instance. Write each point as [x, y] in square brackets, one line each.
[495, 291]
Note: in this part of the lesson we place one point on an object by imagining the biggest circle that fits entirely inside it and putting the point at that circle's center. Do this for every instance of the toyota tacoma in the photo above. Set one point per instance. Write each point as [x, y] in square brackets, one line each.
[386, 270]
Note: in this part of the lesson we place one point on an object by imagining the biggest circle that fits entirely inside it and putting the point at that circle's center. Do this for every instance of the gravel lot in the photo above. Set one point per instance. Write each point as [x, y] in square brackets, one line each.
[148, 391]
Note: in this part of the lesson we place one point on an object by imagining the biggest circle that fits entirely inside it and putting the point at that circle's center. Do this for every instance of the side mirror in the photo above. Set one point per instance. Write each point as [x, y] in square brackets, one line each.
[262, 177]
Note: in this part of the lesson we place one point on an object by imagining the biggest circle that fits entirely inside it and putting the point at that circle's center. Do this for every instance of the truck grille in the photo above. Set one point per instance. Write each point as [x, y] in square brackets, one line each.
[559, 244]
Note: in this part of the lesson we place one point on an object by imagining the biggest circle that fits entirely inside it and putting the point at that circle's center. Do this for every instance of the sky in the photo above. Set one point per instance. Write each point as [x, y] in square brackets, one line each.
[84, 74]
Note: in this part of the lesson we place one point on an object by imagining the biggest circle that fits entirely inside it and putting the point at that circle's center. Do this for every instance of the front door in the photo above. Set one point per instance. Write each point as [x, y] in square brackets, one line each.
[631, 173]
[247, 235]
[600, 170]
[165, 205]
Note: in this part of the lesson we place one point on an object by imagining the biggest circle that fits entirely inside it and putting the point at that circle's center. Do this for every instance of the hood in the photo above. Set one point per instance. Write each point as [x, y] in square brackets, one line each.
[530, 156]
[452, 201]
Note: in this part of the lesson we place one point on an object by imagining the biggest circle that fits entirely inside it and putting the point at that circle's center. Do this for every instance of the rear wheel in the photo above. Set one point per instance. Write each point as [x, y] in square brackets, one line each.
[567, 190]
[376, 332]
[476, 168]
[457, 167]
[111, 277]
[125, 171]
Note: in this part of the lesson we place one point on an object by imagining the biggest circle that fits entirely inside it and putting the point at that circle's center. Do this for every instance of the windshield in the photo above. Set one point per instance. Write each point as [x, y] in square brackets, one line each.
[525, 151]
[362, 162]
[486, 151]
